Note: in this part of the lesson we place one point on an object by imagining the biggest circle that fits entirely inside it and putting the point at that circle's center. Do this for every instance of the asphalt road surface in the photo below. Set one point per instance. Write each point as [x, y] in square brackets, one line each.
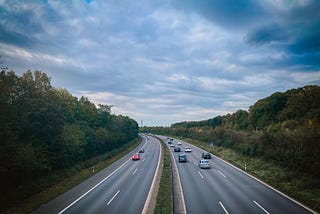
[122, 187]
[225, 189]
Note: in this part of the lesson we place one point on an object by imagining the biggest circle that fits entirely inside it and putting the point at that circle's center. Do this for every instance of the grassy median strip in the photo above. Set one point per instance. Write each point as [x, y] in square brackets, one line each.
[78, 174]
[297, 185]
[164, 202]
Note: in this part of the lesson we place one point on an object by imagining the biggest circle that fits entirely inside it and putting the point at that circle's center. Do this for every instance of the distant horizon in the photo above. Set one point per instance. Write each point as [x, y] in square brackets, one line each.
[247, 110]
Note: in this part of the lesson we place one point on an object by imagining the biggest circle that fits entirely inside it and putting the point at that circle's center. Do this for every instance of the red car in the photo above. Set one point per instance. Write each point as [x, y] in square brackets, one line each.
[136, 157]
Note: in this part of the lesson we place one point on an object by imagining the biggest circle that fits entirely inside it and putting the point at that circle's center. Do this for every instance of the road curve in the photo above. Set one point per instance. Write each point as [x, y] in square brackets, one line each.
[225, 189]
[123, 187]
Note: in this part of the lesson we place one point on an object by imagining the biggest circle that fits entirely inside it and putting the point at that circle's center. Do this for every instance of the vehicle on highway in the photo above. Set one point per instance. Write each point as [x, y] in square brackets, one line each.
[172, 145]
[136, 157]
[169, 142]
[182, 157]
[177, 149]
[179, 143]
[206, 155]
[141, 150]
[187, 149]
[204, 164]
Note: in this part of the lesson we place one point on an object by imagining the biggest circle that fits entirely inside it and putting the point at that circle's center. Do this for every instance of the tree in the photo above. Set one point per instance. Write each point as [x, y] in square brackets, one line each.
[43, 129]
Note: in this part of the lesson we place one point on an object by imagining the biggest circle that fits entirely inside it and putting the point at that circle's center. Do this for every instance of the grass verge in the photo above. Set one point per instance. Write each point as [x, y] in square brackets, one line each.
[164, 203]
[71, 177]
[302, 187]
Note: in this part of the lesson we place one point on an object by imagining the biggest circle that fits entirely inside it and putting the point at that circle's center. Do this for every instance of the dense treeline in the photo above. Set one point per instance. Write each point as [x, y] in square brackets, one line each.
[284, 127]
[44, 128]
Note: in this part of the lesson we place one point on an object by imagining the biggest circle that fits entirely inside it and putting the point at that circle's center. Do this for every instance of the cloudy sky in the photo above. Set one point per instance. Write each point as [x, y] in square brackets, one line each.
[166, 61]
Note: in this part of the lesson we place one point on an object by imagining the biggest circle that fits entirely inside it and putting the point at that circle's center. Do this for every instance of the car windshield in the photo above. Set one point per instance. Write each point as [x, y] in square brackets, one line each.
[205, 161]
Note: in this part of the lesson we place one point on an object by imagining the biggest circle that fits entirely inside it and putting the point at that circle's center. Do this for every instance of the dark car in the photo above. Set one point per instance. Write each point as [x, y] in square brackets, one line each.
[141, 150]
[206, 155]
[182, 157]
[177, 149]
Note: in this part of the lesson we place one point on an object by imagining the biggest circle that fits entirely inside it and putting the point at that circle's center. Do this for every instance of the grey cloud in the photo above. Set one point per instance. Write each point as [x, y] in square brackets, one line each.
[165, 60]
[228, 14]
[309, 42]
[20, 18]
[307, 12]
[267, 34]
[18, 26]
[295, 31]
[15, 38]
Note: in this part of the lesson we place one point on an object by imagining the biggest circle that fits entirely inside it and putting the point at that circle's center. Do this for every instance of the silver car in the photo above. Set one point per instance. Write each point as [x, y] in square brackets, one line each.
[204, 164]
[187, 149]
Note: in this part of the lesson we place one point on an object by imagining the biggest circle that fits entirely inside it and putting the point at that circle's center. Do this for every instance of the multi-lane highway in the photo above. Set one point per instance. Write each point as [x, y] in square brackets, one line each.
[225, 189]
[123, 187]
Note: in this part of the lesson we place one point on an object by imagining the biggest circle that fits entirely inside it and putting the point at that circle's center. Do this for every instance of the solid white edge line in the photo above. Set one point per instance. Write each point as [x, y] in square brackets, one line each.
[261, 207]
[200, 174]
[82, 196]
[184, 211]
[224, 209]
[146, 204]
[222, 174]
[109, 202]
[260, 181]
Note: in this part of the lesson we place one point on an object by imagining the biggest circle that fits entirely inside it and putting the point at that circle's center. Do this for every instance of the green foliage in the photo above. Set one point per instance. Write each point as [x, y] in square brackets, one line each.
[73, 141]
[267, 111]
[44, 129]
[303, 105]
[282, 128]
[164, 202]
